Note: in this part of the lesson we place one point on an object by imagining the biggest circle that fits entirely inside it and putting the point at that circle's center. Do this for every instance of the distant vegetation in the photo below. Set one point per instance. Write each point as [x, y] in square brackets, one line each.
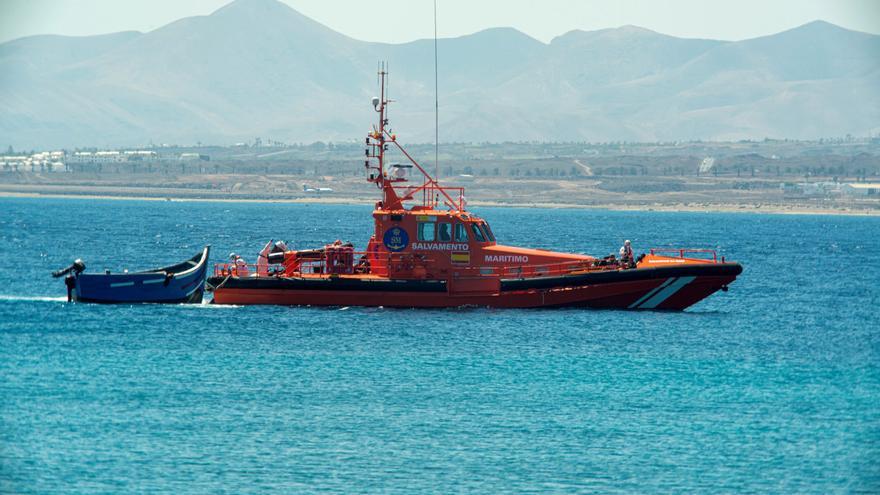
[779, 175]
[772, 159]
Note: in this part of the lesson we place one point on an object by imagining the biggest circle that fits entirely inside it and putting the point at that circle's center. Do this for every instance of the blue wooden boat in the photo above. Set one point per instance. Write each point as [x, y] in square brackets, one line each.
[180, 283]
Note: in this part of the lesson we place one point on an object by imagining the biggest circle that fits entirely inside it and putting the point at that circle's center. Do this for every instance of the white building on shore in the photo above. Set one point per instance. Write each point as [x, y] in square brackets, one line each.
[60, 161]
[861, 189]
[44, 161]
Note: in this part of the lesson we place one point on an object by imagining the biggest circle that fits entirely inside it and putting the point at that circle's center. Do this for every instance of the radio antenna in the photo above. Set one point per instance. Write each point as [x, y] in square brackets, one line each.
[436, 103]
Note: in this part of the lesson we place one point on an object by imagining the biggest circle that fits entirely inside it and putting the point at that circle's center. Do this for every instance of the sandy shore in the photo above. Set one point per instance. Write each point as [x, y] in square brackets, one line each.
[310, 200]
[673, 207]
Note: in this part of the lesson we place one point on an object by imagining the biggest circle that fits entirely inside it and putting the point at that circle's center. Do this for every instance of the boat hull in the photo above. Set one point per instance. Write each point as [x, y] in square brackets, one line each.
[667, 288]
[183, 283]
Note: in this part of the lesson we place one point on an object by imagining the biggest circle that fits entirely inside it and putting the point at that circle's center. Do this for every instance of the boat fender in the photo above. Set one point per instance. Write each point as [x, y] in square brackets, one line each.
[168, 277]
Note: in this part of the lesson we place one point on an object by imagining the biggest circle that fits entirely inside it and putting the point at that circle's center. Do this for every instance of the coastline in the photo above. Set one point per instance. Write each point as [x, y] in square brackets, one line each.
[776, 209]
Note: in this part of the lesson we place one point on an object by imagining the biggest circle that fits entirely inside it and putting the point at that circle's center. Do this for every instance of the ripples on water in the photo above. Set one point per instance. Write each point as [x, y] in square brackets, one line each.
[771, 387]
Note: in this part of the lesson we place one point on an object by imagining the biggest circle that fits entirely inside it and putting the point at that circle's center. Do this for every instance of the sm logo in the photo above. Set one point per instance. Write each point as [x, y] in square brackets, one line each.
[395, 239]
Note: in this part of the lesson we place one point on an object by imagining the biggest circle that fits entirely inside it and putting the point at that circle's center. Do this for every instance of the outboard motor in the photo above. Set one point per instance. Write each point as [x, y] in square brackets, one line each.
[70, 280]
[77, 267]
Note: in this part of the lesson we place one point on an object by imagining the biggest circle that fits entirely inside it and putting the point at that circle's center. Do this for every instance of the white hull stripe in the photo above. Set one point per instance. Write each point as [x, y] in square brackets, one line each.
[122, 284]
[651, 292]
[666, 293]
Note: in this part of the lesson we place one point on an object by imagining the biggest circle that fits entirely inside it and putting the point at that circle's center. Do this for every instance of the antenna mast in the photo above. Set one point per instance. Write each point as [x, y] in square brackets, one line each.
[436, 103]
[377, 144]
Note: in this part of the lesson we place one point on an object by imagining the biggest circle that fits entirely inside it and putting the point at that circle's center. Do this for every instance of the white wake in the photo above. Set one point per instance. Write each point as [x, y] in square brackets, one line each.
[13, 297]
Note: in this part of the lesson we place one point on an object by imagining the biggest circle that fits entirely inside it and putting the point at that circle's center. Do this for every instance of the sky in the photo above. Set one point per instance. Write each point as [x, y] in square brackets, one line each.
[406, 20]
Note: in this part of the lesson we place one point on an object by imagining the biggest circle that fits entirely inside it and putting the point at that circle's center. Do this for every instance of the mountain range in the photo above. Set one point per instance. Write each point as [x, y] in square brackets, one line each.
[258, 68]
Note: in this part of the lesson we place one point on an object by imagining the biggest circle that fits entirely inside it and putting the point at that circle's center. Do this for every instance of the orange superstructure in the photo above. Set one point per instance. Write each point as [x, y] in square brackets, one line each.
[427, 250]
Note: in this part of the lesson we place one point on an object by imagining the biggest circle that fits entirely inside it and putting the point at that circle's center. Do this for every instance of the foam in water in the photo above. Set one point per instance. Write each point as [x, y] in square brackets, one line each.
[13, 297]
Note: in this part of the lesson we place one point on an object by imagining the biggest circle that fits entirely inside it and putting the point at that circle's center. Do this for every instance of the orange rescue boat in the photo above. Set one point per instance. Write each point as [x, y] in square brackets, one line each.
[437, 254]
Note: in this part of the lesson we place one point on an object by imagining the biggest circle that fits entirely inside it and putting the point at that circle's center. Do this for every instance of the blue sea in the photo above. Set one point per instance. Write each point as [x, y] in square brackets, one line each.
[772, 387]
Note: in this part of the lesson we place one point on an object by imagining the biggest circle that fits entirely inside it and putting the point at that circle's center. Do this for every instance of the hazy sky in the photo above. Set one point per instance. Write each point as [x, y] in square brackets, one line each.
[406, 20]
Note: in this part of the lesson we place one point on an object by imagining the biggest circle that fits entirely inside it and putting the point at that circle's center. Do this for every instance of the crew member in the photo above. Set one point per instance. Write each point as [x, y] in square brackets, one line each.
[240, 266]
[626, 254]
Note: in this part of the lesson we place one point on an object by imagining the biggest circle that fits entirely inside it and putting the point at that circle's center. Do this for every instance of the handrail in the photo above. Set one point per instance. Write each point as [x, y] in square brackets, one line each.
[321, 262]
[304, 265]
[544, 270]
[681, 252]
[428, 190]
[408, 261]
[401, 263]
[224, 269]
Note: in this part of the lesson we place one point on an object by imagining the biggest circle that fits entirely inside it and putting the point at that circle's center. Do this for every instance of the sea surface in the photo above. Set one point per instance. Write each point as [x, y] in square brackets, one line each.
[772, 387]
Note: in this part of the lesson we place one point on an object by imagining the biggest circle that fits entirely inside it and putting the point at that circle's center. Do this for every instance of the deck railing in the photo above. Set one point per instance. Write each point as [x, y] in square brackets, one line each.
[681, 253]
[325, 263]
[431, 195]
[398, 263]
[543, 270]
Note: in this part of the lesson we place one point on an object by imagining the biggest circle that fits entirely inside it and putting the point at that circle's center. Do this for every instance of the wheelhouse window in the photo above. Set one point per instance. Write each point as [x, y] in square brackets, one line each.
[488, 232]
[461, 234]
[425, 231]
[478, 234]
[444, 232]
